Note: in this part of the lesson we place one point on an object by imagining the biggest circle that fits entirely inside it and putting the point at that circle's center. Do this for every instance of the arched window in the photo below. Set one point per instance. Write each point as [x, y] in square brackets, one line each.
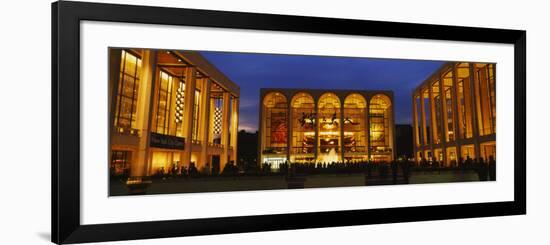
[330, 140]
[381, 132]
[354, 123]
[303, 128]
[274, 128]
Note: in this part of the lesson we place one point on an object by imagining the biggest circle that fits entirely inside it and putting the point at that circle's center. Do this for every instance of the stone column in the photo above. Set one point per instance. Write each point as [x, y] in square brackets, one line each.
[205, 123]
[455, 96]
[424, 140]
[444, 129]
[225, 131]
[141, 163]
[234, 128]
[367, 127]
[188, 106]
[316, 129]
[288, 127]
[261, 130]
[341, 123]
[391, 128]
[473, 80]
[416, 137]
[432, 119]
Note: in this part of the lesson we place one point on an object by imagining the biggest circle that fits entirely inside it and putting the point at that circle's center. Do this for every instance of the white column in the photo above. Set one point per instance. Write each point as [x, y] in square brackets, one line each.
[367, 127]
[444, 127]
[456, 125]
[341, 124]
[473, 80]
[188, 105]
[225, 130]
[141, 161]
[288, 126]
[205, 123]
[234, 128]
[416, 137]
[424, 139]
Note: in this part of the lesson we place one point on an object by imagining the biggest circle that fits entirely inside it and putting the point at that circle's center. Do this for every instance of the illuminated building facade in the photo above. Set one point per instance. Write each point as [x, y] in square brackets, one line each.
[169, 110]
[324, 126]
[454, 114]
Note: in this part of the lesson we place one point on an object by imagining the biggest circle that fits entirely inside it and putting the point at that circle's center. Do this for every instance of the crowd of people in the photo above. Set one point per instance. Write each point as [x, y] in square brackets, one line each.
[486, 169]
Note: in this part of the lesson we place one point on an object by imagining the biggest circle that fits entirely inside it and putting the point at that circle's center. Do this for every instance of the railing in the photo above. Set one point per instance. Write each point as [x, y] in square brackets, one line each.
[195, 142]
[376, 114]
[302, 150]
[215, 145]
[274, 150]
[386, 150]
[355, 149]
[328, 148]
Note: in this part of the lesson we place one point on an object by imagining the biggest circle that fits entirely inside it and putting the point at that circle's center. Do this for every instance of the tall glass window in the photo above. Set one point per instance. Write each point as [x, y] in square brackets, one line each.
[485, 98]
[449, 112]
[464, 100]
[180, 103]
[418, 119]
[437, 108]
[426, 115]
[217, 123]
[127, 92]
[164, 98]
[196, 111]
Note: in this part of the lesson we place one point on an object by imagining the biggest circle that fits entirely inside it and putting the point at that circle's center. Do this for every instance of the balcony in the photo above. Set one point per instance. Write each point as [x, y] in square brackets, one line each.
[274, 150]
[127, 131]
[215, 145]
[328, 148]
[355, 149]
[302, 150]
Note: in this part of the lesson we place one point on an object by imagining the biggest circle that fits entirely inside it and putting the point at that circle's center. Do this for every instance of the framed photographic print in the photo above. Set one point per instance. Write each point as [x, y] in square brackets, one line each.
[176, 122]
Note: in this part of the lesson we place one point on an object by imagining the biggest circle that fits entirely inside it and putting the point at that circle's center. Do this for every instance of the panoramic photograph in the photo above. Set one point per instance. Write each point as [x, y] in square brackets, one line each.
[188, 121]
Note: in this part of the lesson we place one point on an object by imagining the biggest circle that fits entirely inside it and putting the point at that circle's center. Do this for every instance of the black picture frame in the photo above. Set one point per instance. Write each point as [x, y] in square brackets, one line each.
[66, 18]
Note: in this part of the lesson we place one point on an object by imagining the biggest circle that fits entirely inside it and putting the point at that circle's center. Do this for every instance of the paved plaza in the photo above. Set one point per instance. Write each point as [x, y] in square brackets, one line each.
[247, 183]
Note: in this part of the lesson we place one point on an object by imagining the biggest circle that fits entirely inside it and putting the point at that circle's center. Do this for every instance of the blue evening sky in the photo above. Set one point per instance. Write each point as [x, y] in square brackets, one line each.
[254, 71]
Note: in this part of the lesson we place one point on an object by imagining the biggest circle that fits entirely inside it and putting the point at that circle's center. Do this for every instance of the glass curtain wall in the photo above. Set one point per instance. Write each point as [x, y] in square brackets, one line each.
[464, 100]
[418, 121]
[485, 98]
[127, 91]
[437, 108]
[426, 116]
[163, 103]
[449, 98]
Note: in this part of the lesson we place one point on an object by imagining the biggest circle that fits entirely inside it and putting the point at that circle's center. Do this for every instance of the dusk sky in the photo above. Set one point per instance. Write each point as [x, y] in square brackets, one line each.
[254, 71]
